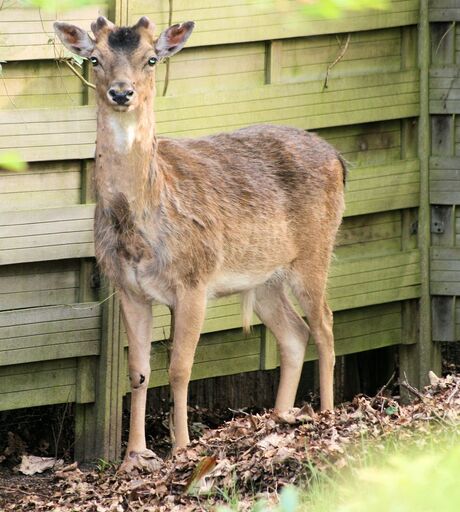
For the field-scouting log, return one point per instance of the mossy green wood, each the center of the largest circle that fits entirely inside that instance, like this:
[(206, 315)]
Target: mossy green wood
[(40, 334), (39, 84), (87, 442), (444, 10), (305, 105), (43, 383), (456, 306), (367, 52), (427, 352), (42, 185), (110, 381), (445, 180), (231, 22), (46, 234), (46, 84), (27, 33), (38, 284), (444, 163)]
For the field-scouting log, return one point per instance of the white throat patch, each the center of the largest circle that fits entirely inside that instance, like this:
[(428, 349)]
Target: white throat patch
[(124, 130)]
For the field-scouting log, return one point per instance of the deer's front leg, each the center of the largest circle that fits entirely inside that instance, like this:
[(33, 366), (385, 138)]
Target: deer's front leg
[(137, 317), (189, 313)]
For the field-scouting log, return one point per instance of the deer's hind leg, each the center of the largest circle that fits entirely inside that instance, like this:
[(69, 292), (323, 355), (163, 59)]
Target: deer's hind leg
[(309, 287), (276, 311)]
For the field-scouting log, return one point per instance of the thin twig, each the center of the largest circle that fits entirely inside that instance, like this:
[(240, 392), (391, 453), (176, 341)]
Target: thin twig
[(76, 73), (10, 99), (411, 389), (92, 305), (338, 59), (383, 388), (61, 427), (444, 36), (454, 392), (239, 411)]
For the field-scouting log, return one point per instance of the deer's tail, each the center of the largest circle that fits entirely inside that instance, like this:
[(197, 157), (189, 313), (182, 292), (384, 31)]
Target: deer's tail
[(344, 168), (247, 308)]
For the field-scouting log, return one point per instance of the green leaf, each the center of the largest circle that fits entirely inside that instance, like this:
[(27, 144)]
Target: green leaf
[(392, 409), (11, 161)]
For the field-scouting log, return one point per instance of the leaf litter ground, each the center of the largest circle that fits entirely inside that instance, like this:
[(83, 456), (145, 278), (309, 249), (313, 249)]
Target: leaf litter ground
[(252, 455)]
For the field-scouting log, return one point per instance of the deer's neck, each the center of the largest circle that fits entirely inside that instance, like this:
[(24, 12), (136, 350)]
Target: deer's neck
[(126, 155)]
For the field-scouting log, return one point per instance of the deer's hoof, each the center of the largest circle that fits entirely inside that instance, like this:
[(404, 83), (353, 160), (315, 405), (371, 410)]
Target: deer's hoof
[(145, 462)]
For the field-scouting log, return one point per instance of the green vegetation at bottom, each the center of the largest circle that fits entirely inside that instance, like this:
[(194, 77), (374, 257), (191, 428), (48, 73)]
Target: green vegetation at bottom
[(410, 473)]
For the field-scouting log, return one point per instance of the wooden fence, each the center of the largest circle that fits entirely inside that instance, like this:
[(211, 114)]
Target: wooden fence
[(242, 66)]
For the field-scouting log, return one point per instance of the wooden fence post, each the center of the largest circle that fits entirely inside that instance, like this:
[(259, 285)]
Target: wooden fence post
[(425, 355), (110, 381)]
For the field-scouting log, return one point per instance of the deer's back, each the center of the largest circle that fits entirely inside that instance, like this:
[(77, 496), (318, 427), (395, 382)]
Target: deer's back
[(256, 174), (260, 194)]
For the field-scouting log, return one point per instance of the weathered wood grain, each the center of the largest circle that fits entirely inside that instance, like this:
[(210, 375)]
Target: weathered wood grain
[(27, 33), (32, 385), (46, 134), (41, 334), (48, 234), (444, 10), (230, 21)]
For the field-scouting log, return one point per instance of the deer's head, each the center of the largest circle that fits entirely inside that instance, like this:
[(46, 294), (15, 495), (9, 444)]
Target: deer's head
[(124, 58)]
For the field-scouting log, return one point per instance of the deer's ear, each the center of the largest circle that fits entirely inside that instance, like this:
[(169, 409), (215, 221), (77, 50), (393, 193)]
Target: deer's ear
[(173, 39), (74, 39)]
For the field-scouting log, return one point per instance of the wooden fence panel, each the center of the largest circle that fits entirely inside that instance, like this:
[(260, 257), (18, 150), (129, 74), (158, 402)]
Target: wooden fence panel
[(27, 34), (233, 22), (445, 169), (242, 66)]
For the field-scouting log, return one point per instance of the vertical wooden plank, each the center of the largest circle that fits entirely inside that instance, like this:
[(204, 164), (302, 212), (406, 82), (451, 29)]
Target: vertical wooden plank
[(111, 380), (87, 182), (269, 355), (428, 352), (273, 62), (410, 318), (85, 418), (119, 12), (443, 39), (443, 43), (442, 135), (85, 432), (442, 225), (443, 310), (409, 220), (408, 47)]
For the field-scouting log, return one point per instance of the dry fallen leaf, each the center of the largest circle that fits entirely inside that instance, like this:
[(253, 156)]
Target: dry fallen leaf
[(196, 483), (256, 454), (30, 464)]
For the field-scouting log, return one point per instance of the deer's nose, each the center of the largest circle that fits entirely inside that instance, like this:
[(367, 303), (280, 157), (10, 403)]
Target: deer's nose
[(120, 97)]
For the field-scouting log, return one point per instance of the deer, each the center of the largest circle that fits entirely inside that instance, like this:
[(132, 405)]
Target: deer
[(179, 221)]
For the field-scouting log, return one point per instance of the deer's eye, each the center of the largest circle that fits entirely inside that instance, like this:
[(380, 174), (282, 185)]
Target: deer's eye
[(94, 61), (152, 61)]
